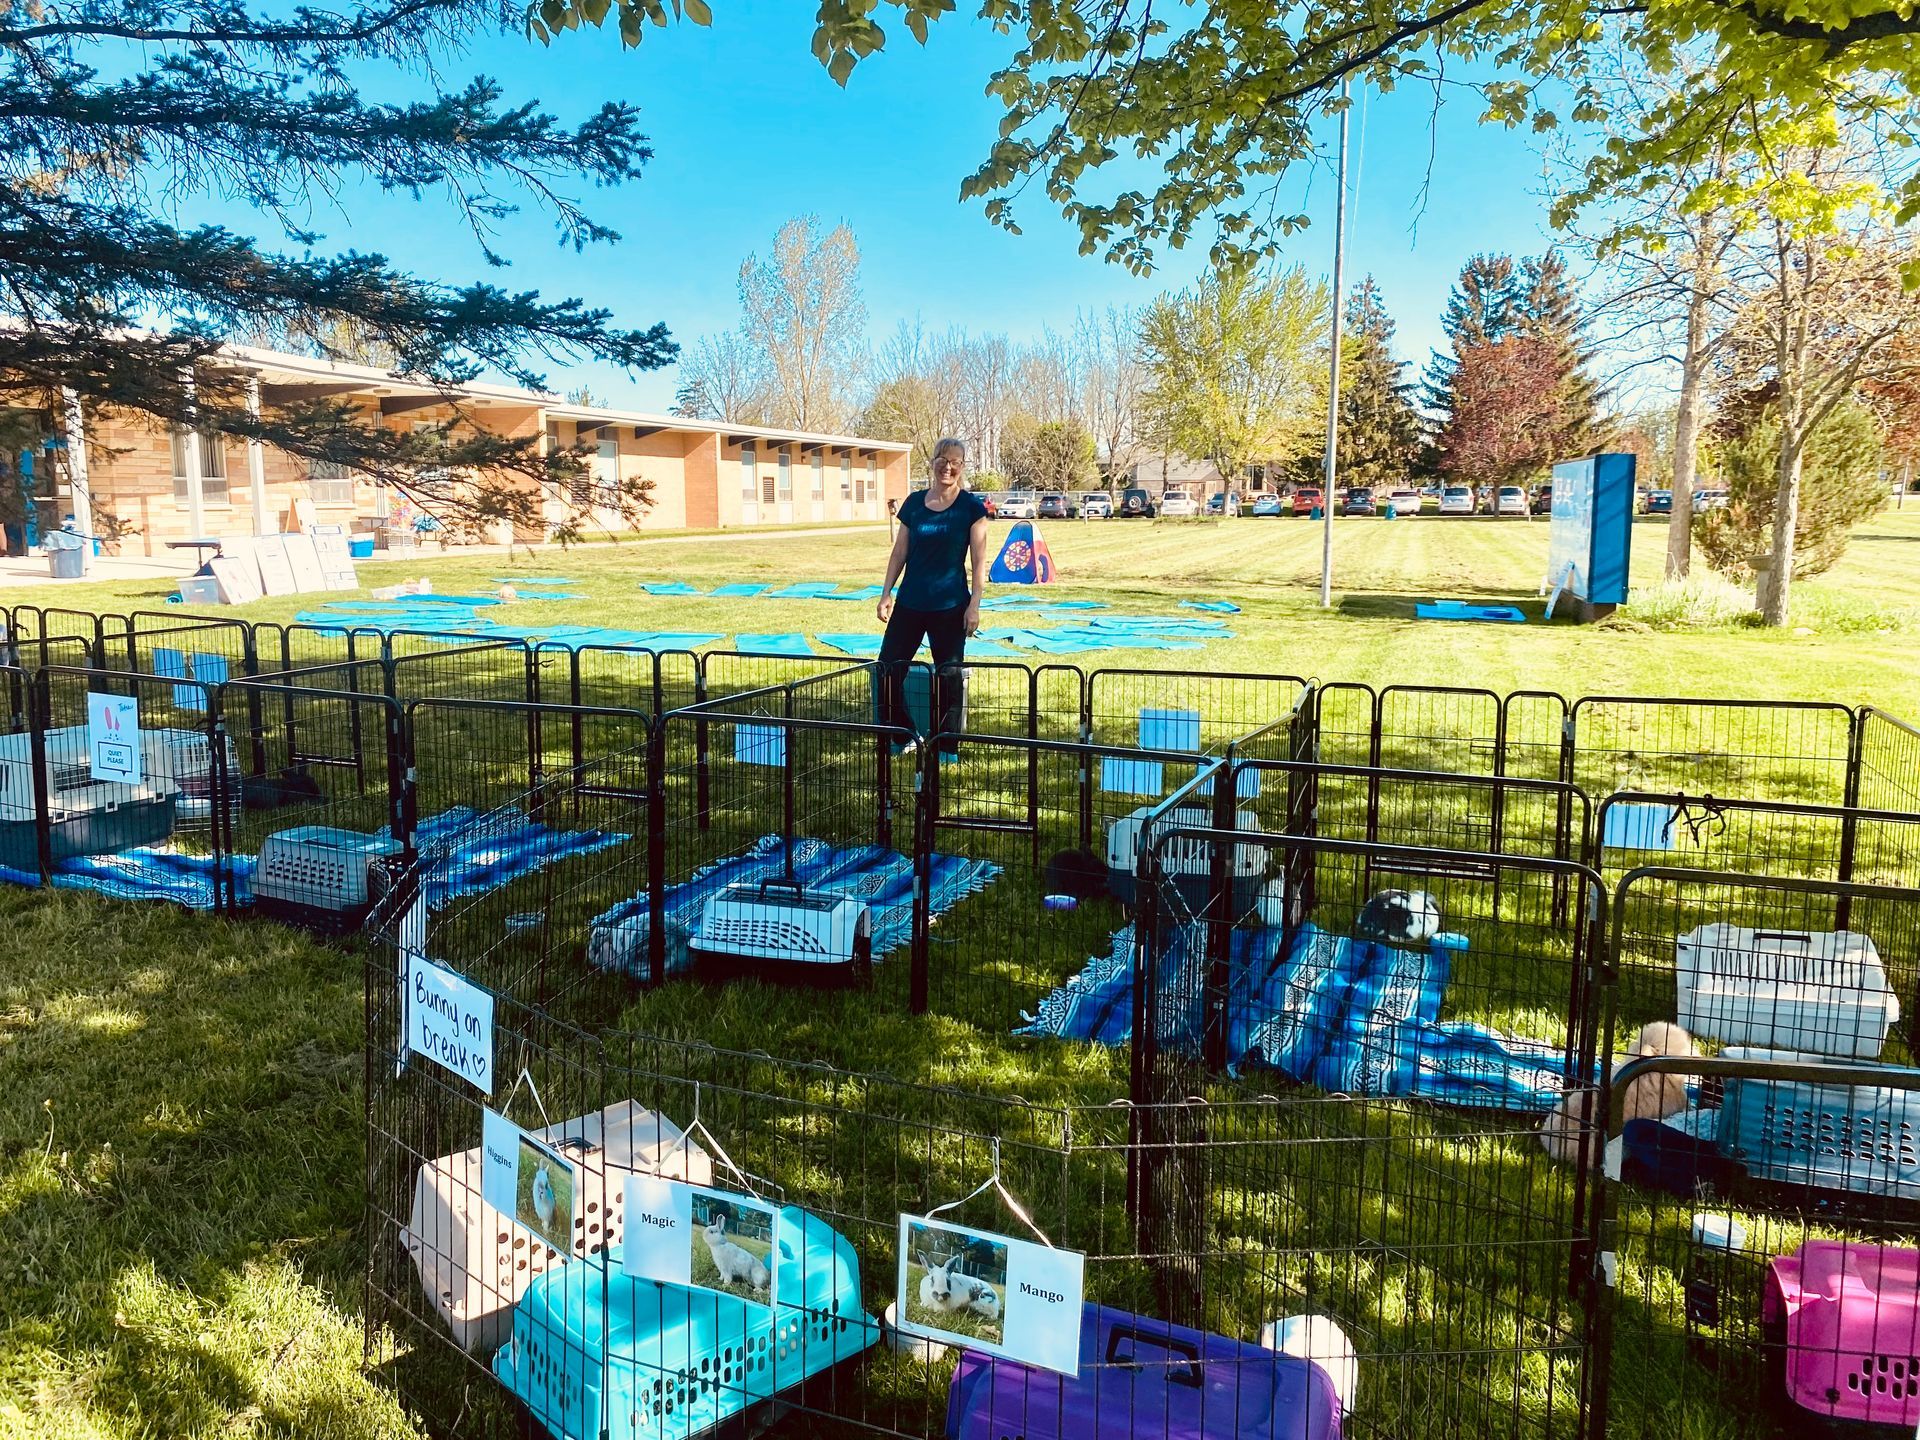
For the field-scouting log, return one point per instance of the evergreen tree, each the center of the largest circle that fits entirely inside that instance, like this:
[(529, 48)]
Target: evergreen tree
[(1547, 309), (121, 114), (1482, 309), (1379, 431)]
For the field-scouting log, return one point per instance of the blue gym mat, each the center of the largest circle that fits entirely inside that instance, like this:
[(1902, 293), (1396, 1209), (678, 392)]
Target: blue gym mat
[(1218, 607), (805, 590), (866, 592), (741, 591), (882, 878), (1461, 610), (669, 587), (788, 644), (863, 647)]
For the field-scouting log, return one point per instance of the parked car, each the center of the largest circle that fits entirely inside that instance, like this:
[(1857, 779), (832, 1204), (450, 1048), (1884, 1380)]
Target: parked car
[(1657, 502), (1265, 505), (1021, 505), (1054, 506), (1543, 500), (1175, 505), (1136, 502), (1306, 500), (1096, 505), (1405, 501), (1511, 500), (1226, 503), (1359, 501), (1710, 499), (1456, 500)]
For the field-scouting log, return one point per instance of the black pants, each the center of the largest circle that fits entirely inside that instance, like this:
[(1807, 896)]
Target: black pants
[(945, 632)]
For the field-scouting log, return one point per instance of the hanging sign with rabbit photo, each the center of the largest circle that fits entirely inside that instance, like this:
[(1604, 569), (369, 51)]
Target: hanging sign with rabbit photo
[(990, 1292), (711, 1239), (527, 1180)]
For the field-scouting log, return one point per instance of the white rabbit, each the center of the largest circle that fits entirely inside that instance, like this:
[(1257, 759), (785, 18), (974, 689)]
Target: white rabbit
[(543, 1198), (944, 1287), (737, 1264)]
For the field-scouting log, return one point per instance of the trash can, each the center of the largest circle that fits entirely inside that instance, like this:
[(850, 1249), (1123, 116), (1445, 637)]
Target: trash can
[(66, 555)]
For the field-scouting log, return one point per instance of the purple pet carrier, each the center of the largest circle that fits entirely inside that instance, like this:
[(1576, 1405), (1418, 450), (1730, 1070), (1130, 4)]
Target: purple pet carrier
[(1145, 1377), (1846, 1318)]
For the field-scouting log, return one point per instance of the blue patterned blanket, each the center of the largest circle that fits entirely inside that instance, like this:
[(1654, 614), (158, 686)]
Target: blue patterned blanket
[(881, 877), (1347, 1016)]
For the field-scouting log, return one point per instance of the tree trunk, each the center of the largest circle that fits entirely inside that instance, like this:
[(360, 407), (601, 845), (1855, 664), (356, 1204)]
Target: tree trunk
[(1686, 428), (1786, 519)]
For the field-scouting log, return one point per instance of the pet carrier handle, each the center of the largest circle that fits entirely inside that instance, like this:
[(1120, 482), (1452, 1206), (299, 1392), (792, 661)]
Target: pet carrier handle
[(1794, 937), (792, 888), (1188, 1375)]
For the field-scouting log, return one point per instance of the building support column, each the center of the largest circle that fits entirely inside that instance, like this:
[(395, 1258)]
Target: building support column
[(74, 421), (195, 462), (257, 464)]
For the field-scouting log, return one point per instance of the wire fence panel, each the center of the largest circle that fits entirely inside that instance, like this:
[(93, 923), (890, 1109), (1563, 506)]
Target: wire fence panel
[(1770, 961), (1535, 739), (136, 778), (1049, 833), (1887, 763), (37, 637), (1189, 711), (1753, 749), (1761, 1234), (1344, 724), (1437, 727), (529, 820), (443, 668)]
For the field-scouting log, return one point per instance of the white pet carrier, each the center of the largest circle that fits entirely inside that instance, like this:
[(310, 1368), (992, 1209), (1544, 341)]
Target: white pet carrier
[(320, 876), (1187, 861), (775, 928), (475, 1263), (1822, 991), (85, 816)]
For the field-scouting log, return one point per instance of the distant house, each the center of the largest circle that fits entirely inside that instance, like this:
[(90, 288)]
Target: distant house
[(1198, 478), (124, 473)]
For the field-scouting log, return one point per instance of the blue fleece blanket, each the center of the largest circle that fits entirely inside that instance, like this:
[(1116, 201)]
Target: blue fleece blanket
[(144, 874), (467, 852), (881, 877), (1347, 1016)]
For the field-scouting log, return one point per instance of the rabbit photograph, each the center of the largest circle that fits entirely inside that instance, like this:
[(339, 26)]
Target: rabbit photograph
[(543, 1195), (732, 1245), (955, 1282)]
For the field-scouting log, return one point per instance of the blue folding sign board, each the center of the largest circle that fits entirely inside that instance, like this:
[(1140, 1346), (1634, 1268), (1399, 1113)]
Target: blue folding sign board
[(1592, 532)]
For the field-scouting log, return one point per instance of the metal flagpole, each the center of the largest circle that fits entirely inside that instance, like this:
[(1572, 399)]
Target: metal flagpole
[(1333, 367)]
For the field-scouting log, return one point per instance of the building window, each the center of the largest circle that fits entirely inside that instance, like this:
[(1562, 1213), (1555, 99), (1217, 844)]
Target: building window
[(749, 489), (606, 475), (819, 477), (786, 477), (329, 483), (213, 467), (868, 491), (846, 477)]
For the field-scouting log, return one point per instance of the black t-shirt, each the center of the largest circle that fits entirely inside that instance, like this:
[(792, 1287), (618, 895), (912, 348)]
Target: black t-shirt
[(936, 576)]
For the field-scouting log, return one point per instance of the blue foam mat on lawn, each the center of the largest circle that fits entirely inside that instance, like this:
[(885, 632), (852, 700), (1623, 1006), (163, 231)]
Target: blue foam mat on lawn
[(1218, 607), (788, 644), (1461, 610), (740, 591), (805, 590), (881, 877), (669, 587)]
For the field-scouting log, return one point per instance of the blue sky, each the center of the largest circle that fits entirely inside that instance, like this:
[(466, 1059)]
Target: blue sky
[(748, 130)]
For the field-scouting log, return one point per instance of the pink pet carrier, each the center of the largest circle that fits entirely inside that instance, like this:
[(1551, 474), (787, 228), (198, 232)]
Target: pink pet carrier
[(1845, 1317)]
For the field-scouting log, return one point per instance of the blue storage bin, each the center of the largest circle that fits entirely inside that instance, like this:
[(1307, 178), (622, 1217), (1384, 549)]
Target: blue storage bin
[(596, 1353), (1862, 1138), (1145, 1377)]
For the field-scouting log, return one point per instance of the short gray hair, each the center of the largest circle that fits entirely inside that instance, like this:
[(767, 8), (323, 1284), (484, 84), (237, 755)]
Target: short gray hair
[(947, 443)]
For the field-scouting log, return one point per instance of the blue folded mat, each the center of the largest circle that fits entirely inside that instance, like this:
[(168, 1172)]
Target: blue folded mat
[(1219, 607), (669, 587), (1460, 610), (863, 647), (805, 590), (789, 644), (882, 878), (866, 592), (739, 591)]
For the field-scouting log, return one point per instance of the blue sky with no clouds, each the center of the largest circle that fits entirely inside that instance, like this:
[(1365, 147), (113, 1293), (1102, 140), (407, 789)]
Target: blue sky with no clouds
[(748, 130)]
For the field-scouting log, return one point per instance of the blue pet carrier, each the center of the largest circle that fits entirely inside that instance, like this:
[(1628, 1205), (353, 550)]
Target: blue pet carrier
[(1862, 1138), (595, 1353), (1140, 1376)]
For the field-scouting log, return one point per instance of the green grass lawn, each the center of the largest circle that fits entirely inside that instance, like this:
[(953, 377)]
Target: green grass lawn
[(180, 1098)]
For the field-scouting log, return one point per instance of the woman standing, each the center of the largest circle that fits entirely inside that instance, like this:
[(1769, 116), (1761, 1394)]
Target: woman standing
[(941, 546)]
